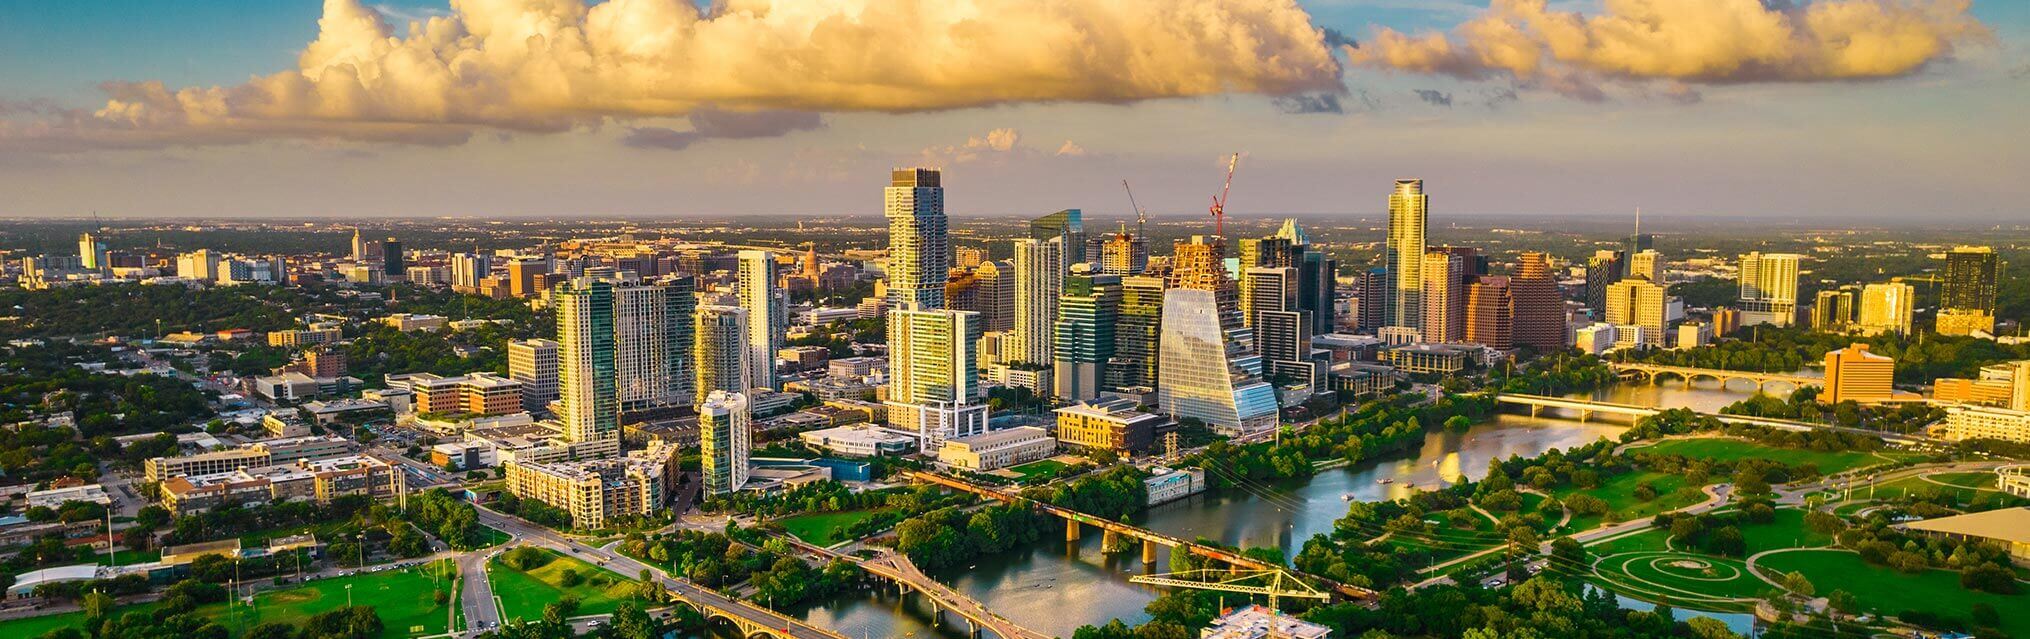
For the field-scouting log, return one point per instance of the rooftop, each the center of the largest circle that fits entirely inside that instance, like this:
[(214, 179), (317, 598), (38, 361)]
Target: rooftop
[(2008, 524)]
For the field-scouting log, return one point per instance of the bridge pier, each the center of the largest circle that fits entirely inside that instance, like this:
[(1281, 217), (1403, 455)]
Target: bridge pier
[(1071, 530), (1585, 415), (1148, 553), (1534, 409), (1110, 541)]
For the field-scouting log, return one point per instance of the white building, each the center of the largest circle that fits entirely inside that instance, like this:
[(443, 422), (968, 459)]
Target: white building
[(860, 441), (1200, 378), (998, 449), (724, 438), (767, 316)]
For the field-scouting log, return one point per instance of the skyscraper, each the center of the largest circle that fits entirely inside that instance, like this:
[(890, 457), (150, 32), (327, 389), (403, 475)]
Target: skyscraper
[(1138, 333), (92, 253), (996, 295), (1404, 256), (1886, 308), (1087, 315), (724, 439), (1124, 254), (1039, 281), (1646, 264), (768, 314), (1490, 313), (468, 268), (719, 350), (1205, 376), (1370, 292), (1602, 271), (1967, 301), (1539, 308), (1282, 330), (1067, 226), (1833, 311), (1769, 288), (1444, 296), (585, 367), (1638, 302), (652, 344), (391, 259), (533, 362), (919, 245), (934, 382), (1200, 264)]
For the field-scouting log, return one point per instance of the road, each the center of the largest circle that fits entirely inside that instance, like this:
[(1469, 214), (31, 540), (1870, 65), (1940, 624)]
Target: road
[(776, 623), (476, 593)]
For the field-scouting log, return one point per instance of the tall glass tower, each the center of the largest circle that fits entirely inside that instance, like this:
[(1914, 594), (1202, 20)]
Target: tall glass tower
[(585, 367), (1404, 258), (919, 245)]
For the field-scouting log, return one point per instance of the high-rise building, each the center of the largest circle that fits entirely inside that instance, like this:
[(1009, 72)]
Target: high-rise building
[(1602, 271), (392, 259), (92, 253), (1138, 333), (768, 314), (1646, 264), (467, 269), (1205, 375), (1124, 254), (719, 350), (585, 366), (1404, 256), (1769, 288), (1039, 281), (962, 290), (1886, 307), (1539, 309), (996, 295), (1966, 303), (934, 377), (1066, 226), (1087, 315), (1638, 302), (1282, 330), (1370, 293), (652, 343), (724, 439), (919, 244), (201, 265), (1444, 296), (1200, 264), (526, 277), (359, 246), (1491, 312), (1853, 373), (533, 362), (1833, 311)]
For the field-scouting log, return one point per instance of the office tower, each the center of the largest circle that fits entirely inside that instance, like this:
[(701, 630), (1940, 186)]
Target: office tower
[(359, 246), (919, 246), (1539, 309), (1124, 254), (1444, 297), (724, 439), (1087, 315), (768, 314), (1966, 303), (585, 366), (1039, 281), (92, 253), (962, 290), (1646, 264), (1490, 313), (533, 362), (525, 277), (1886, 308), (966, 257), (934, 380), (1638, 302), (1370, 292), (467, 269), (1318, 290), (1200, 264), (1602, 271), (1725, 320), (1769, 288), (1282, 330), (719, 350), (391, 258), (201, 265), (1832, 311), (1138, 333), (1854, 374), (1274, 288), (1205, 375), (1066, 226), (1404, 256), (652, 343), (996, 295)]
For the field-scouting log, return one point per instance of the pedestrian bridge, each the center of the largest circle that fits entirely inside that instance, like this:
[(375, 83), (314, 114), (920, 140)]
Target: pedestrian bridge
[(1588, 408), (1655, 373)]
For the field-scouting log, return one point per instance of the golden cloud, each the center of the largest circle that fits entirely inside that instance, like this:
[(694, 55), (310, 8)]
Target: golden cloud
[(549, 65), (1686, 41)]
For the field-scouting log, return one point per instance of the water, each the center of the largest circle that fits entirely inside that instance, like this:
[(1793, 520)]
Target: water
[(1056, 586)]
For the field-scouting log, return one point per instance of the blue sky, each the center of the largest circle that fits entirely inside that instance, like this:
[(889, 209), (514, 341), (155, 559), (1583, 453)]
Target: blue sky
[(1944, 139)]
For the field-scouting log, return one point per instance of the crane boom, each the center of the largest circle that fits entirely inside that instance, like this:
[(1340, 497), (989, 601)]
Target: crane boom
[(1219, 202), (1141, 217)]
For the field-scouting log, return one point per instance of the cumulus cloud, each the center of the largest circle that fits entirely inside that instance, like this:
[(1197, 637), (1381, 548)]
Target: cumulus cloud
[(710, 124), (1684, 41), (1071, 149), (552, 65), (998, 143), (1299, 104), (1435, 97)]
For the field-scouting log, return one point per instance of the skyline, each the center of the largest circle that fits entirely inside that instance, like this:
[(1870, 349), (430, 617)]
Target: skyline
[(1795, 133)]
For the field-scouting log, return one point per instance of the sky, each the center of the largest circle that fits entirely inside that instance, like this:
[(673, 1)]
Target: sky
[(1800, 109)]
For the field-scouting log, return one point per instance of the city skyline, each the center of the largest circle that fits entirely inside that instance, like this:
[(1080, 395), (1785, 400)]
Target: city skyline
[(1799, 132)]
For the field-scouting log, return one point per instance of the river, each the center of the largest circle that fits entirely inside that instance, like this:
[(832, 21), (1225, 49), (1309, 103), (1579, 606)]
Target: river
[(1056, 587)]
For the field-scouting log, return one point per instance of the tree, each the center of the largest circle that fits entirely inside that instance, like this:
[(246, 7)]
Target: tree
[(1797, 583), (271, 630), (631, 622), (558, 612), (97, 605), (1568, 556)]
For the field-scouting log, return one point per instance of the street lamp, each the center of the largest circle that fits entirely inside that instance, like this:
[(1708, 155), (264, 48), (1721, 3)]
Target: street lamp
[(348, 595)]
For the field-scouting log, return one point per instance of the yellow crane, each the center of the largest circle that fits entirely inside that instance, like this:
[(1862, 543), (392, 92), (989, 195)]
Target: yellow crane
[(1274, 584)]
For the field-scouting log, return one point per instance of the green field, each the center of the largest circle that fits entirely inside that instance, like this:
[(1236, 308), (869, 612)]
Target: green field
[(824, 529), (1984, 481), (402, 598), (1885, 591), (1956, 493), (1788, 531), (1721, 449), (1040, 470), (1699, 581), (523, 594), (1619, 493)]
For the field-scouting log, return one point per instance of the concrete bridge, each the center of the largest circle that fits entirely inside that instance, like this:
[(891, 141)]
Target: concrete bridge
[(1074, 523), (1588, 408), (897, 568), (1655, 372)]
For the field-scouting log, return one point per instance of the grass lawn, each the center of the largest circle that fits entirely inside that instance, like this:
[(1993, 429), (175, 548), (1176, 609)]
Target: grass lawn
[(403, 599), (1711, 582), (1918, 486), (1885, 591), (1967, 480), (489, 537), (1618, 491), (1040, 470), (1788, 531), (825, 529), (1721, 449), (523, 594)]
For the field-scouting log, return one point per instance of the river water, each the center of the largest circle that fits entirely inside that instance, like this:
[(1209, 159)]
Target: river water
[(1056, 586)]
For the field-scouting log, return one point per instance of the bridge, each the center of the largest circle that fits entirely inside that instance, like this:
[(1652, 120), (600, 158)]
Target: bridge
[(1654, 372), (1587, 408), (896, 567), (1075, 521)]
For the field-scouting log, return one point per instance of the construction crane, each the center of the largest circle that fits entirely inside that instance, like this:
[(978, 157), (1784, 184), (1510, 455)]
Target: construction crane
[(1219, 201), (1274, 584), (1141, 216)]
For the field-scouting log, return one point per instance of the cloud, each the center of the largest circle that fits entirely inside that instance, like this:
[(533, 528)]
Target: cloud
[(1321, 103), (710, 124), (1435, 97), (1071, 149), (1684, 41), (995, 144), (555, 65)]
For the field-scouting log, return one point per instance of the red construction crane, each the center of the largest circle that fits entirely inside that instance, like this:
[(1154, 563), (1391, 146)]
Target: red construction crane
[(1219, 201)]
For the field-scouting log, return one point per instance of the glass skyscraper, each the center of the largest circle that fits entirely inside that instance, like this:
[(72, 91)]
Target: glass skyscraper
[(1404, 257)]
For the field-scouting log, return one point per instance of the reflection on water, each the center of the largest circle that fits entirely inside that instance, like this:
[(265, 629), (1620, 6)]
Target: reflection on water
[(1056, 586)]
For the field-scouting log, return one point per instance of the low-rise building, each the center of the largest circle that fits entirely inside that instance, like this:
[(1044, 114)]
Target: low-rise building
[(1443, 359), (998, 449), (1260, 622), (56, 497), (2014, 480), (1113, 425), (406, 322), (2009, 527), (474, 394), (207, 463), (1983, 422), (317, 334), (1166, 485), (860, 441), (465, 455), (316, 480), (592, 491)]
